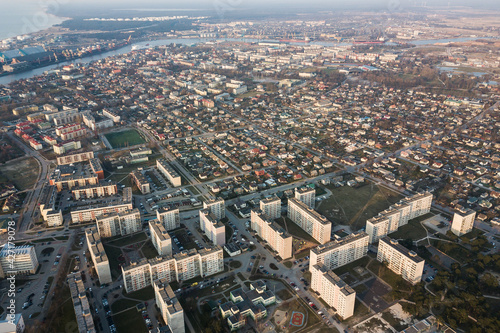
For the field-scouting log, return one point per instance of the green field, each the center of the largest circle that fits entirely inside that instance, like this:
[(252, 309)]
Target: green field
[(129, 321), (413, 230), (23, 173), (353, 206), (125, 138)]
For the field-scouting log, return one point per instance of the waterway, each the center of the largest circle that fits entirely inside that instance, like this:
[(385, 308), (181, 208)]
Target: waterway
[(5, 80)]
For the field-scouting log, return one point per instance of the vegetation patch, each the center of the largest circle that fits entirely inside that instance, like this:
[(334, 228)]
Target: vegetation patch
[(126, 138)]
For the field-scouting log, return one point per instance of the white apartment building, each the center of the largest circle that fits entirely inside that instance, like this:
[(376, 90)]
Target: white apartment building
[(400, 260), (216, 206), (141, 182), (92, 212), (333, 290), (103, 189), (309, 220), (81, 304), (166, 169), (463, 222), (54, 218), (340, 252), (277, 237), (169, 306), (307, 195), (169, 218), (160, 238), (98, 255), (391, 219), (183, 266), (122, 223), (214, 229), (18, 260), (271, 207)]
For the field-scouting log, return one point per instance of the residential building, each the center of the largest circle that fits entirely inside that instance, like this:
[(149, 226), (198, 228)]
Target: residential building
[(111, 115), (389, 220), (98, 255), (245, 304), (340, 252), (18, 260), (46, 204), (333, 290), (141, 182), (309, 220), (13, 323), (75, 158), (183, 266), (307, 195), (169, 306), (122, 223), (271, 232), (66, 177), (271, 207), (54, 218), (169, 217), (102, 189), (216, 206), (213, 228), (92, 212), (160, 238), (166, 169), (400, 260), (463, 222), (81, 304)]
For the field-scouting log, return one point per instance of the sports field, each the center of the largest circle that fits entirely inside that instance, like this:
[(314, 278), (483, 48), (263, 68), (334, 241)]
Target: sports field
[(125, 138)]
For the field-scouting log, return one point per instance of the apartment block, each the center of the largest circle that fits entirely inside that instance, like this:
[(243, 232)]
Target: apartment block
[(75, 158), (333, 290), (173, 177), (141, 182), (271, 207), (66, 177), (92, 212), (81, 304), (213, 228), (102, 189), (340, 252), (122, 223), (309, 220), (169, 306), (400, 260), (277, 237), (18, 260), (169, 217), (54, 218), (216, 206), (47, 200), (307, 195), (160, 238), (391, 219), (463, 222), (98, 255), (183, 266)]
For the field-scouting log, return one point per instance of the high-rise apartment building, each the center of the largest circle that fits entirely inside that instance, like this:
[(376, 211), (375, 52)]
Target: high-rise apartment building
[(160, 238), (340, 252), (400, 260), (309, 220), (307, 195), (214, 229), (18, 260), (271, 207), (122, 223), (169, 217), (333, 290), (98, 255), (216, 206), (463, 222), (169, 172), (169, 306), (271, 232)]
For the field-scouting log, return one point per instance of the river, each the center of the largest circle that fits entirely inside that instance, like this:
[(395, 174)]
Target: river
[(5, 80)]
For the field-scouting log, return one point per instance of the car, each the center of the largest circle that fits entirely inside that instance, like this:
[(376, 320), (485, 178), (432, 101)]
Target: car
[(249, 270)]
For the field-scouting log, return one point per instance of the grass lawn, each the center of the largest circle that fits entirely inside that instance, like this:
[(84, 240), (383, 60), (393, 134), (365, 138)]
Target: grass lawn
[(23, 173), (328, 330), (413, 230), (353, 206), (391, 278), (123, 304), (129, 321), (295, 230), (288, 264), (307, 275), (67, 315), (114, 264), (124, 241), (457, 252), (473, 234), (359, 311), (125, 138), (284, 294), (302, 254), (148, 250), (349, 268), (235, 264), (145, 294)]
